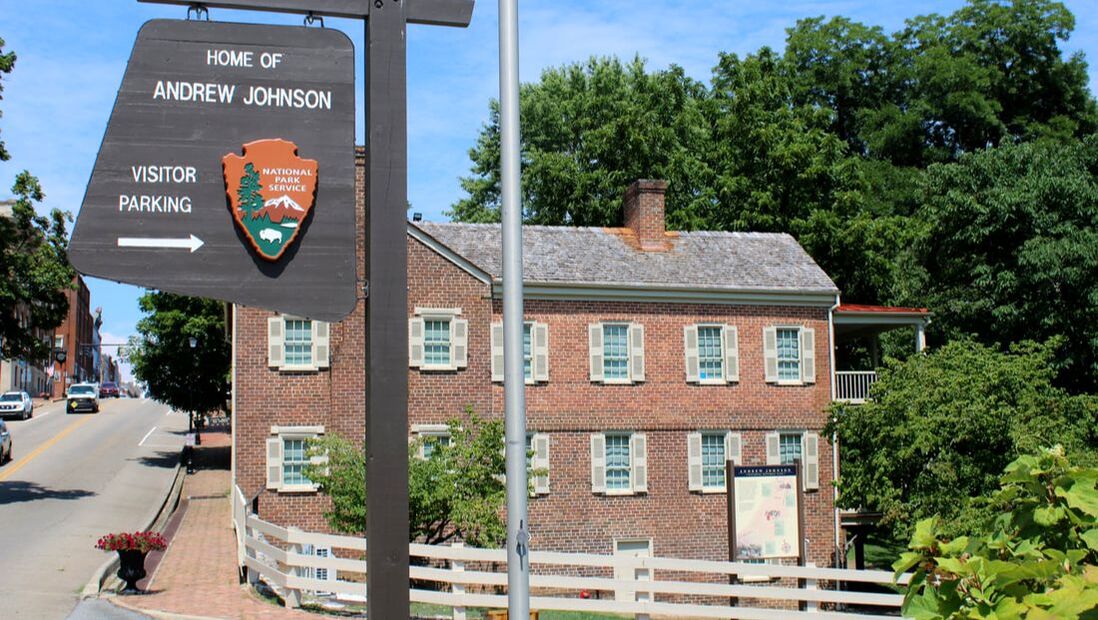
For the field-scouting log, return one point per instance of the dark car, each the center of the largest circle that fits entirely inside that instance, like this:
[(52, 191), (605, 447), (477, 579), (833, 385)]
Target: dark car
[(109, 389), (82, 397)]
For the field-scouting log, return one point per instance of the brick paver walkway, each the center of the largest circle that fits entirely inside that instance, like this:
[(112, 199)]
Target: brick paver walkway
[(198, 575)]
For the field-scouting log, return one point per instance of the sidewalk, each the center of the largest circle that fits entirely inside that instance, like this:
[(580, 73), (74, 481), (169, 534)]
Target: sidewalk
[(197, 576)]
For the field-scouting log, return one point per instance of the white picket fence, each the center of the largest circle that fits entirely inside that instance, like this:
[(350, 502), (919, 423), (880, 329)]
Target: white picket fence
[(274, 554)]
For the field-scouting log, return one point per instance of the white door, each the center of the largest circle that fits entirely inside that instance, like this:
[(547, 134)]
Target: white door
[(638, 548)]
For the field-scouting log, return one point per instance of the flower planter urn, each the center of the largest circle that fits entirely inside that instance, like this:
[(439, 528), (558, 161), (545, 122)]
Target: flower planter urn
[(131, 569)]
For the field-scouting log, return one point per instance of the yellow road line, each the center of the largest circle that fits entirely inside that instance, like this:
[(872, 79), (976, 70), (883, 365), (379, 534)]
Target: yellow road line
[(10, 470)]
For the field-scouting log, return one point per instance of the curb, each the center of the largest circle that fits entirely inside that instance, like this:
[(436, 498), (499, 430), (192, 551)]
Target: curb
[(156, 613), (155, 522)]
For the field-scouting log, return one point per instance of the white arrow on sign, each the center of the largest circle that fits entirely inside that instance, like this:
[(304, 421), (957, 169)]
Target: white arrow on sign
[(193, 243)]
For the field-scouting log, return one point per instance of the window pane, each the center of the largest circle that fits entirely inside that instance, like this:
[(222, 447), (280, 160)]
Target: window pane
[(527, 352), (710, 356), (713, 460), (789, 355), (432, 442), (617, 463), (789, 447), (615, 351), (298, 342), (436, 342), (293, 462)]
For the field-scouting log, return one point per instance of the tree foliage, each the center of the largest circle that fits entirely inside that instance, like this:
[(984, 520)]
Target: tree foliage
[(1035, 559), (34, 271), (161, 356), (457, 491), (1010, 249), (941, 427)]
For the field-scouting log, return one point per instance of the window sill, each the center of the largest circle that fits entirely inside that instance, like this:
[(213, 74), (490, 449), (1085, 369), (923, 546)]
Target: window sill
[(712, 491), (616, 382), (788, 383), (297, 368), (623, 493), (434, 368), (299, 489)]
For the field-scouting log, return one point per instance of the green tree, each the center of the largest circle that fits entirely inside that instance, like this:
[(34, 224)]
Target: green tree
[(1035, 559), (1010, 250), (34, 270), (457, 491), (941, 427), (188, 379), (251, 200)]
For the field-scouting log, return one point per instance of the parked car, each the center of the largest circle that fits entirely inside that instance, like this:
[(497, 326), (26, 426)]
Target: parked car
[(5, 443), (16, 404), (109, 389), (82, 397)]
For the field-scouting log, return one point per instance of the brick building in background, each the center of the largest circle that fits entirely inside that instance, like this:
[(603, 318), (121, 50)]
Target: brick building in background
[(76, 337), (651, 358)]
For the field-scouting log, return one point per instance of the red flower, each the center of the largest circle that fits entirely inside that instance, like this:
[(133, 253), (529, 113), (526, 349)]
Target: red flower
[(135, 541)]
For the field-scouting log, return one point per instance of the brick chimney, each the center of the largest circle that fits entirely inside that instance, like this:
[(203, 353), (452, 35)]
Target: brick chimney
[(644, 214)]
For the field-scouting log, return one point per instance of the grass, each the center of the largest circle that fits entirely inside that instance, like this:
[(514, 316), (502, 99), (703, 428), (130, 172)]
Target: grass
[(879, 555), (478, 613)]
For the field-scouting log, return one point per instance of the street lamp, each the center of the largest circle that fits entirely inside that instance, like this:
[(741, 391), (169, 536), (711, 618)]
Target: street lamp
[(194, 426), (59, 355)]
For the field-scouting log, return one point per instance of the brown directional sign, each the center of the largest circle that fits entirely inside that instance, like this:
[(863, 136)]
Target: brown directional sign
[(227, 169)]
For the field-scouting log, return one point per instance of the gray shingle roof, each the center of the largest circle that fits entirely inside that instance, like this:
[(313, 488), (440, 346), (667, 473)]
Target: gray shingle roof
[(592, 256)]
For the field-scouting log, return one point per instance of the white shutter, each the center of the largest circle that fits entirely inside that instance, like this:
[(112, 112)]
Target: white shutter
[(638, 449), (321, 347), (598, 463), (731, 353), (594, 346), (541, 462), (733, 448), (275, 352), (811, 461), (274, 463), (808, 355), (770, 353), (690, 347), (694, 460), (459, 351), (773, 449), (539, 335), (415, 342), (636, 352), (497, 352)]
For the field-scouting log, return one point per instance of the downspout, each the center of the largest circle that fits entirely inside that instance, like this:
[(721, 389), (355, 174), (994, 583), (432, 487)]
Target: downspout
[(834, 435)]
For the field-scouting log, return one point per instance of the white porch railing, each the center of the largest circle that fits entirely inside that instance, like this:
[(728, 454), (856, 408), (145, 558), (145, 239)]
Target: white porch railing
[(852, 386), (467, 577)]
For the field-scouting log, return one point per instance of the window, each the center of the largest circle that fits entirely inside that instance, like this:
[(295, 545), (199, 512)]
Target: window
[(297, 344), (789, 448), (713, 460), (785, 447), (438, 339), (436, 342), (288, 455), (535, 352), (537, 460), (432, 437), (790, 355), (615, 356), (707, 453), (619, 463), (712, 353), (710, 356), (616, 352)]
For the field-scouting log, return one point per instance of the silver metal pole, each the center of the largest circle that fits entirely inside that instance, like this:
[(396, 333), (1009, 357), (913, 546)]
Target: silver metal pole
[(514, 384)]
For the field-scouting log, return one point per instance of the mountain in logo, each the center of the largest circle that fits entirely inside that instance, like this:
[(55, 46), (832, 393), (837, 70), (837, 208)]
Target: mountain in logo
[(271, 191), (279, 208)]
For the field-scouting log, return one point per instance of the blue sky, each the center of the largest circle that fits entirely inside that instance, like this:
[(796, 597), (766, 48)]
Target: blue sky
[(71, 60)]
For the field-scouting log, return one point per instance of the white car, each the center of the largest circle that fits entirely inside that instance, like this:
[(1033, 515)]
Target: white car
[(82, 397), (16, 404)]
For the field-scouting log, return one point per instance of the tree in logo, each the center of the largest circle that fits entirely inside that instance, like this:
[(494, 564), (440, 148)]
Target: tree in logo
[(251, 200)]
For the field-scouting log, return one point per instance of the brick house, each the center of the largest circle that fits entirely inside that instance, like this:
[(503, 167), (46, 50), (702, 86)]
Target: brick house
[(652, 357)]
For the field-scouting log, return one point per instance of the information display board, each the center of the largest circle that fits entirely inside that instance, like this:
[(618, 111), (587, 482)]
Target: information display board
[(228, 169), (767, 514)]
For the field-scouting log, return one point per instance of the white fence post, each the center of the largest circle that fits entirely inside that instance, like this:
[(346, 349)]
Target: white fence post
[(293, 595), (811, 584), (458, 566)]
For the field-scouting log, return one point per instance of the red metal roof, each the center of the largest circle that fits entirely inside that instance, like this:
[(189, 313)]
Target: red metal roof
[(865, 309)]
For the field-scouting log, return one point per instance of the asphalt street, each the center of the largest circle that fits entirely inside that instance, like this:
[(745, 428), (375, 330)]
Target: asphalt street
[(75, 477)]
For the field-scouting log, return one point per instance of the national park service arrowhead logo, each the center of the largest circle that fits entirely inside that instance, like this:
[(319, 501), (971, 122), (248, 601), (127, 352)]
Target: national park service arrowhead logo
[(271, 191)]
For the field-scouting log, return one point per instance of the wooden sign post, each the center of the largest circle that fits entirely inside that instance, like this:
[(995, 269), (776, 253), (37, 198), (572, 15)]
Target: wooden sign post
[(386, 264)]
